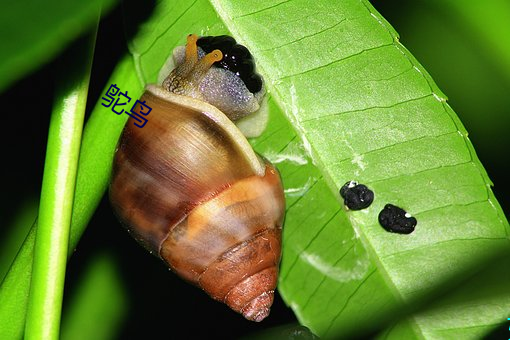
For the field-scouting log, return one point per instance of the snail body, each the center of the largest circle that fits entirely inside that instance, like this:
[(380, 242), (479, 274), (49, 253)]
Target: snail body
[(189, 187)]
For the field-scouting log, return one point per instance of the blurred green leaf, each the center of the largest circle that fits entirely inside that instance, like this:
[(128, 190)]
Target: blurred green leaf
[(17, 230), (98, 145), (475, 16), (98, 305), (286, 332), (32, 32)]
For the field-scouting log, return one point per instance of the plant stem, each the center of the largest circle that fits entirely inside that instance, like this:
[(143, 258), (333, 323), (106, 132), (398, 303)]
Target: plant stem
[(57, 195), (99, 140)]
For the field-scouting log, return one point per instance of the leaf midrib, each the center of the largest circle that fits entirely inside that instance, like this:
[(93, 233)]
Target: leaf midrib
[(317, 160)]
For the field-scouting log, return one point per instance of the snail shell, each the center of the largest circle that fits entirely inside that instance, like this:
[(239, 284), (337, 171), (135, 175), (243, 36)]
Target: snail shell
[(189, 187)]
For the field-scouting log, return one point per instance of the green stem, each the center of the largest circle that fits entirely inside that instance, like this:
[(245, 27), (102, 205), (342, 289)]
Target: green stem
[(57, 195), (99, 139)]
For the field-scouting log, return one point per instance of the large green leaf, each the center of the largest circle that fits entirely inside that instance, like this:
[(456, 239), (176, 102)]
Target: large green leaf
[(361, 108), (31, 32), (347, 101)]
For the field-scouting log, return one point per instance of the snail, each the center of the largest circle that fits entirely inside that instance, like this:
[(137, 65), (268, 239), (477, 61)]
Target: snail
[(189, 187)]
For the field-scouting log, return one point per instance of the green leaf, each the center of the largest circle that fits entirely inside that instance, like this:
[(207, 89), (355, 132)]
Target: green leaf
[(98, 305), (57, 192), (98, 145), (361, 108), (474, 16), (17, 231), (347, 101), (450, 38), (33, 32), (285, 332)]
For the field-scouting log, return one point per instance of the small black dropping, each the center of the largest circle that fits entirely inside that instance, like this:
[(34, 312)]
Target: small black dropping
[(356, 196), (236, 58), (396, 220)]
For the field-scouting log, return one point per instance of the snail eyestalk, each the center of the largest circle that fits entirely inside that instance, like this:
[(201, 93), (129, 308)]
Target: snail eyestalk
[(191, 49), (186, 78), (203, 65)]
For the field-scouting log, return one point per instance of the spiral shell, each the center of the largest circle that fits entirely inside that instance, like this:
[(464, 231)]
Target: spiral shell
[(190, 189)]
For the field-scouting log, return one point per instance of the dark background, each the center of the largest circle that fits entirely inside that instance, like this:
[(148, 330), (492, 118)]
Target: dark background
[(159, 302)]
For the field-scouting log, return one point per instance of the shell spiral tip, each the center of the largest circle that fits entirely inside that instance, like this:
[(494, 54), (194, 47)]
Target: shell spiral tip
[(258, 309)]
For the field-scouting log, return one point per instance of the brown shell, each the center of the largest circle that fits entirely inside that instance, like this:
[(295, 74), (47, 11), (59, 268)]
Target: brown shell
[(190, 190)]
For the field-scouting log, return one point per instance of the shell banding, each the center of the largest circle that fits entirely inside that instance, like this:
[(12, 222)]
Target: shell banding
[(189, 187)]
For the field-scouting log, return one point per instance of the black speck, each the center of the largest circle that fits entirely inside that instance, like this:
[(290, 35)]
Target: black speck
[(356, 196), (396, 220)]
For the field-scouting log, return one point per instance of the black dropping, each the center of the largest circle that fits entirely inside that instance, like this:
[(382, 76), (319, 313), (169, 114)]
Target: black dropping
[(396, 220), (236, 58), (356, 196)]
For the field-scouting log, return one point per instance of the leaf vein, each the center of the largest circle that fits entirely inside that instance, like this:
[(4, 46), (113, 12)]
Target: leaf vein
[(262, 10), (398, 144), (368, 108), (347, 301), (450, 205), (418, 172), (435, 243), (309, 242), (310, 296), (335, 61), (304, 37)]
